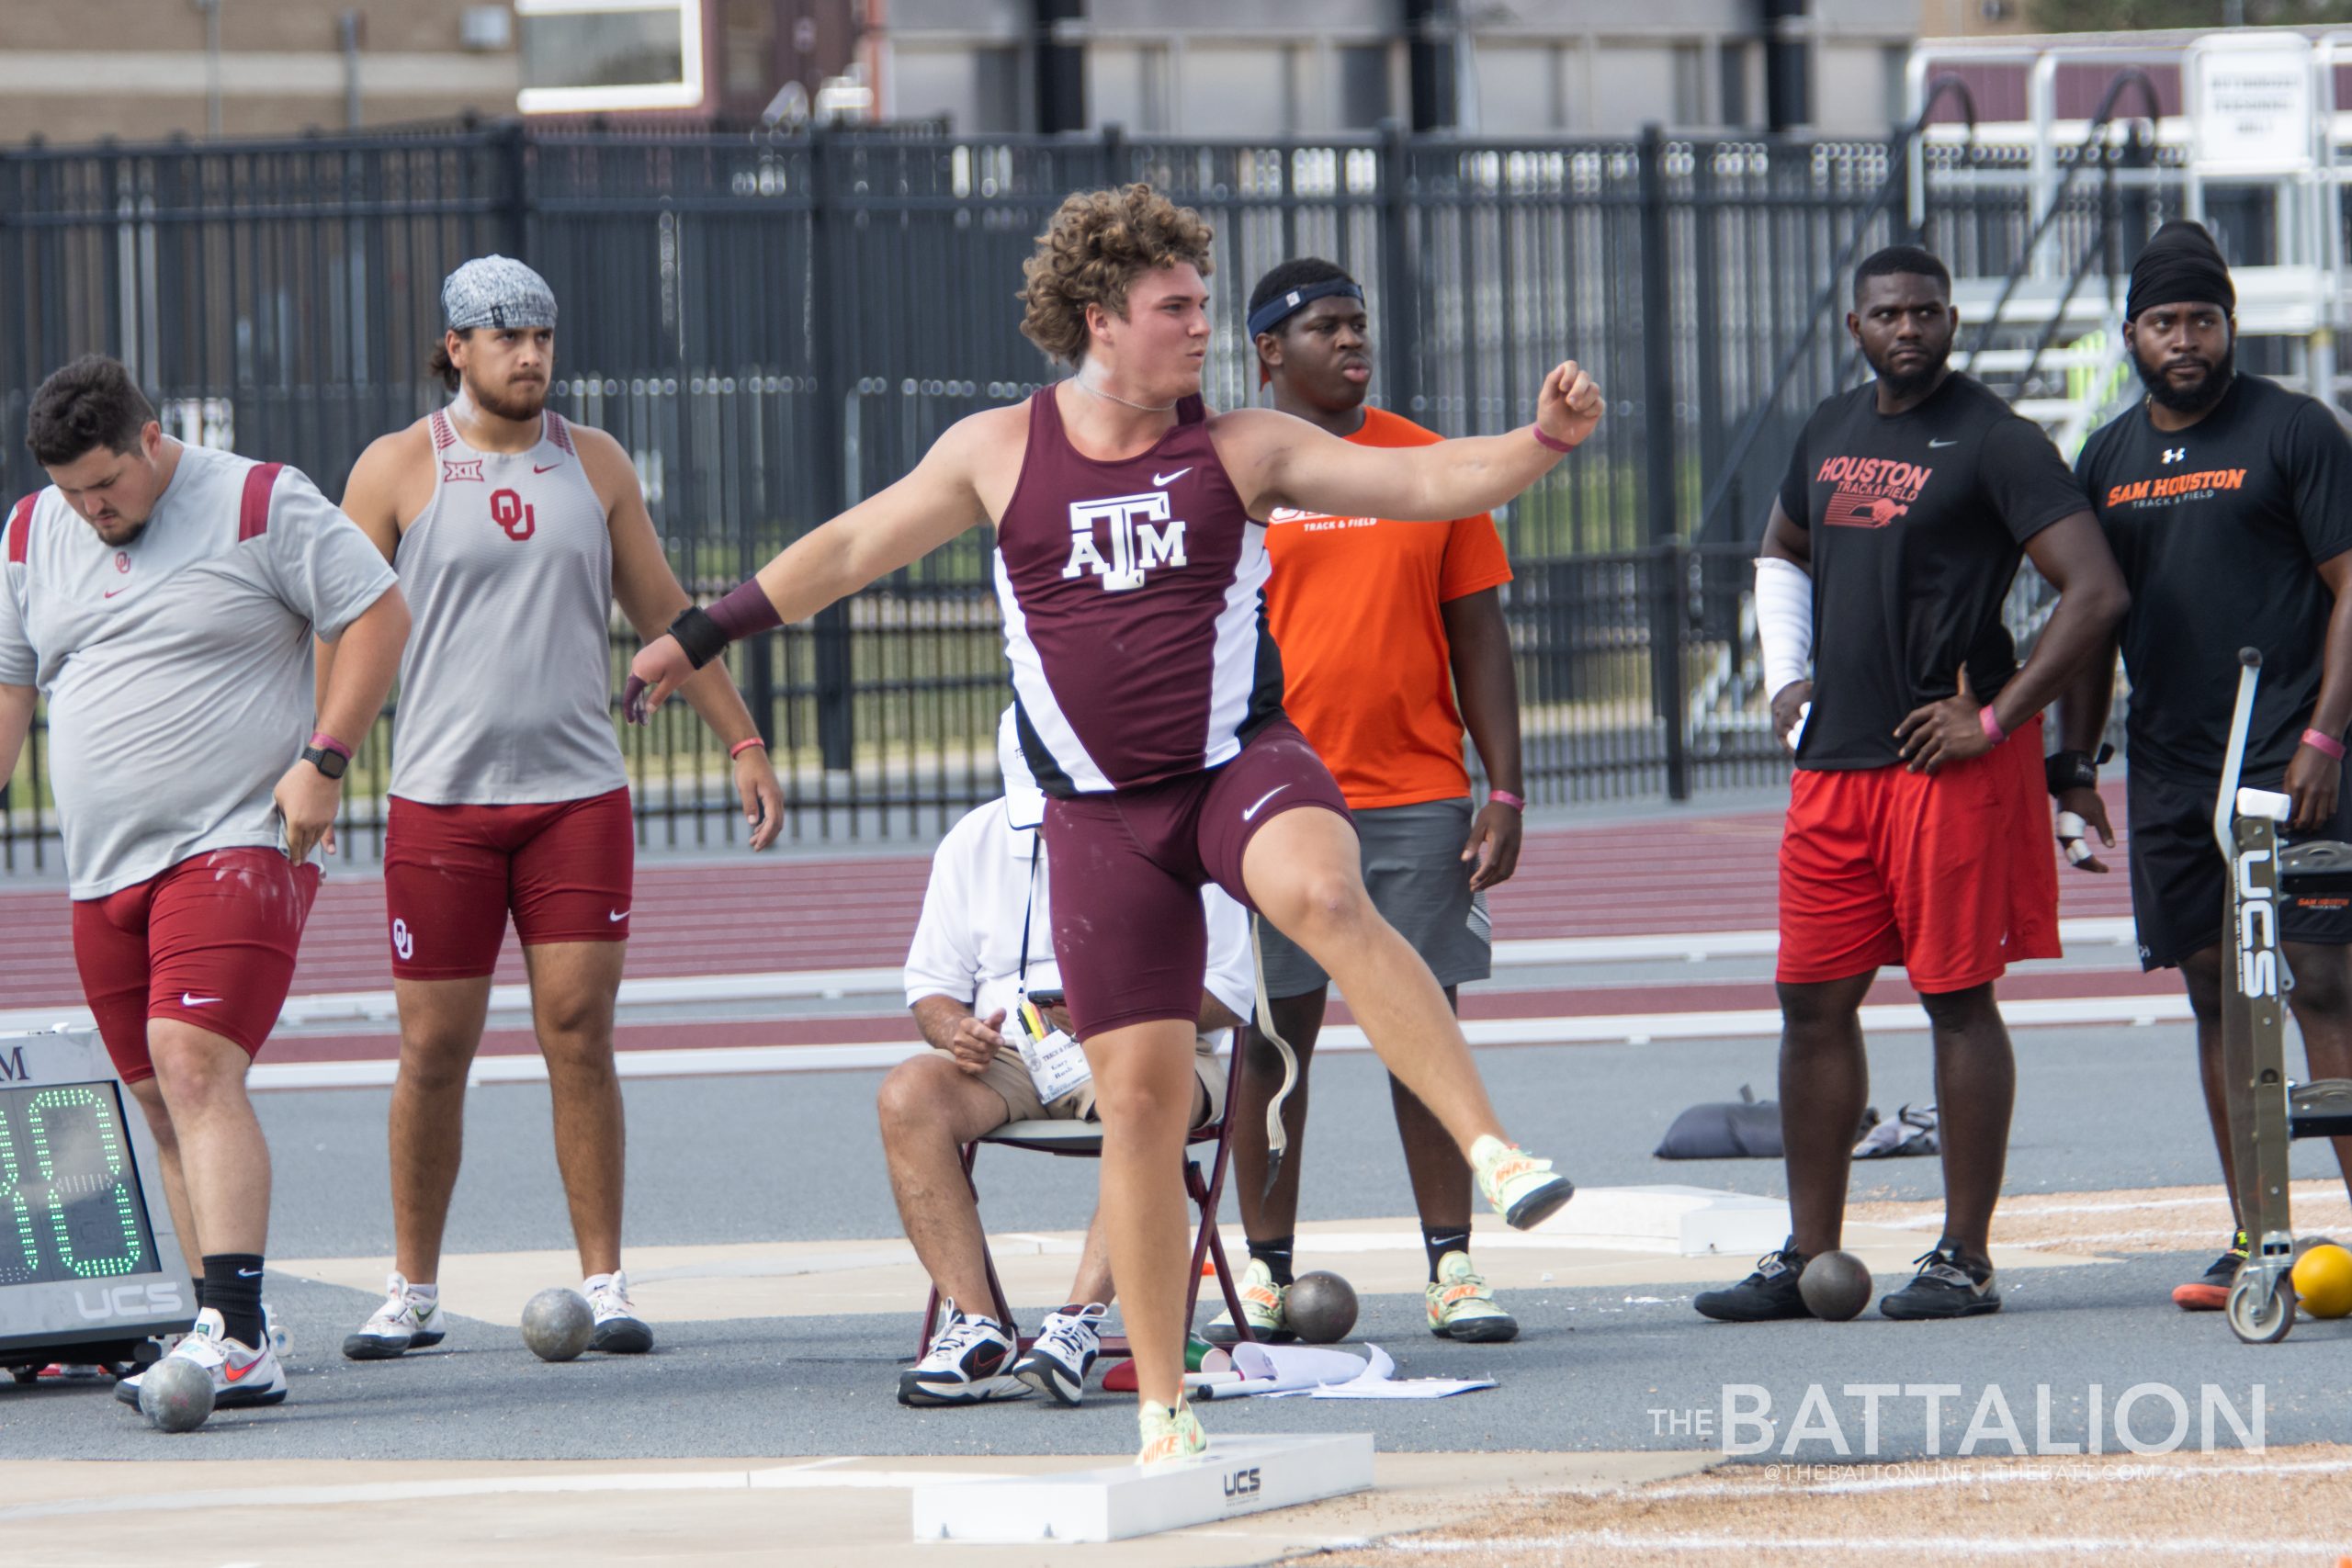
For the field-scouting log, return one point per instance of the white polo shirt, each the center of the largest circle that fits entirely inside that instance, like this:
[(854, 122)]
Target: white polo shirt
[(968, 946)]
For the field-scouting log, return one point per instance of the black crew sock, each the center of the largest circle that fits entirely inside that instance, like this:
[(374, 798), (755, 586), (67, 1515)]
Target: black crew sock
[(1274, 1253), (233, 1289), (1438, 1240), (196, 1295)]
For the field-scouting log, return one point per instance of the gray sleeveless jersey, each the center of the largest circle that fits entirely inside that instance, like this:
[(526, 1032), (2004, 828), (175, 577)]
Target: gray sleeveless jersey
[(506, 687)]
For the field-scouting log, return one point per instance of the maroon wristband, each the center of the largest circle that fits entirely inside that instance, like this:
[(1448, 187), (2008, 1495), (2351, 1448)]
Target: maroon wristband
[(2320, 740), (1551, 441), (746, 611)]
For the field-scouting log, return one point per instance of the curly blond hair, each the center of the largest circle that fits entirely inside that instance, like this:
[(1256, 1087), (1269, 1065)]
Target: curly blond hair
[(1096, 246)]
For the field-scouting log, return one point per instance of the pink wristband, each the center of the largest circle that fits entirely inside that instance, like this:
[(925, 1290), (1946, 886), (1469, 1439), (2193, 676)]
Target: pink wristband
[(2319, 741), (743, 746), (1993, 730), (1504, 797), (326, 742), (1555, 445)]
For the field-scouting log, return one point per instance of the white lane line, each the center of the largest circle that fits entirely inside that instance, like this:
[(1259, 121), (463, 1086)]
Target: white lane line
[(834, 985), (817, 1476), (2234, 1549), (2004, 1474), (1640, 1028)]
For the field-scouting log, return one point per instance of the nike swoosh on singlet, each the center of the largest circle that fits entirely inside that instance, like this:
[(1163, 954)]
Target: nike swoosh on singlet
[(1261, 800), (1171, 479), (549, 470), (112, 591)]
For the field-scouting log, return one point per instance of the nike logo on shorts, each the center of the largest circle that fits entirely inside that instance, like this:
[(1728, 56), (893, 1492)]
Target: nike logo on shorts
[(1250, 814), (1170, 479), (1951, 442), (188, 999), (617, 915)]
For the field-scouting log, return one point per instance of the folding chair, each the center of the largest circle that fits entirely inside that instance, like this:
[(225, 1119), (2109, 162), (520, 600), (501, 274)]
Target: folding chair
[(1083, 1140)]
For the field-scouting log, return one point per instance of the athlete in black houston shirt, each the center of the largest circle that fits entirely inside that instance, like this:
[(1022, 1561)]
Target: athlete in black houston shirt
[(1917, 832), (2228, 499)]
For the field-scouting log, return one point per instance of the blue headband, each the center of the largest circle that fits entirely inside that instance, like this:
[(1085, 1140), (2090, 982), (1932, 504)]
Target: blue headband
[(1282, 306)]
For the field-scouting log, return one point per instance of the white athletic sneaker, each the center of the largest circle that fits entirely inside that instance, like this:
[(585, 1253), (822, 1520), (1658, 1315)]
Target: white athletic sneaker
[(619, 1331), (242, 1376), (405, 1322), (1067, 1344), (966, 1364)]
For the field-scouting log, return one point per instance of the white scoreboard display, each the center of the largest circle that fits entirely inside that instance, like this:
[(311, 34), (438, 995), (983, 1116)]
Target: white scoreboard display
[(88, 1262)]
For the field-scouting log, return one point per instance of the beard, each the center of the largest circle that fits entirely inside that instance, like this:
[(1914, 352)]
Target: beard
[(515, 403), (2197, 397), (1913, 383)]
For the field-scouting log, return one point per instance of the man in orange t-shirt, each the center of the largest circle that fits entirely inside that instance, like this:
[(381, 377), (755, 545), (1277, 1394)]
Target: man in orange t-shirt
[(1392, 638)]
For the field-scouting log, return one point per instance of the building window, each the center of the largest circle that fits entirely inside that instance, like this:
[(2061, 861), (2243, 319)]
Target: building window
[(1731, 57), (1690, 84), (1364, 98), (586, 56), (750, 49)]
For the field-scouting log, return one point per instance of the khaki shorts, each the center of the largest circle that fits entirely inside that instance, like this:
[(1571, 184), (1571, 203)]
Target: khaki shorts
[(1007, 1075)]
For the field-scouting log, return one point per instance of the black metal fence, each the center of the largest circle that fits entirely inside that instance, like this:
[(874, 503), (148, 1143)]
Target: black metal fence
[(777, 326)]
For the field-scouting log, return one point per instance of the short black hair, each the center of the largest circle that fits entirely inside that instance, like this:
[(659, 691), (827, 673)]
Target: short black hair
[(1907, 260), (439, 363), (1295, 274), (91, 402)]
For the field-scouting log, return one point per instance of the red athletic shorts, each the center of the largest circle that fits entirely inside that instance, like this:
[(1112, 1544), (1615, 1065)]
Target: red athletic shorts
[(1126, 870), (451, 872), (1953, 875), (210, 942)]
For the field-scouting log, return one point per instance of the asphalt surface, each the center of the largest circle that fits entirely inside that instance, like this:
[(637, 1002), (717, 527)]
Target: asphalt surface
[(795, 1157)]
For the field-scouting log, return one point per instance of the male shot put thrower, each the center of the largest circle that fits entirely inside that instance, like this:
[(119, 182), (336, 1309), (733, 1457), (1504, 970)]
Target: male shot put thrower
[(2266, 1110)]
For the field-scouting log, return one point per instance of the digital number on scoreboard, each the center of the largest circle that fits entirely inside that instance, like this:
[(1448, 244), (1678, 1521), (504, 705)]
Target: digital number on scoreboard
[(70, 1207), (88, 1253)]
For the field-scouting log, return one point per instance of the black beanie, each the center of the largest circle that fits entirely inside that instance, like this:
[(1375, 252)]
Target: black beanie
[(2180, 265)]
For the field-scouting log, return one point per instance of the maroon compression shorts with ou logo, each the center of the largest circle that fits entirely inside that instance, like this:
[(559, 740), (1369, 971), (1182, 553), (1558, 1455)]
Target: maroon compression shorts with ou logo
[(566, 870)]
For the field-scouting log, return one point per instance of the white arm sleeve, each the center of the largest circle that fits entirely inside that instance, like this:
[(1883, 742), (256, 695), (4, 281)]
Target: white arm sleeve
[(1783, 622)]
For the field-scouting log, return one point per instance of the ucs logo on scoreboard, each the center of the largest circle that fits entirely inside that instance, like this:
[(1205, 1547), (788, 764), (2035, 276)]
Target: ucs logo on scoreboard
[(164, 1299)]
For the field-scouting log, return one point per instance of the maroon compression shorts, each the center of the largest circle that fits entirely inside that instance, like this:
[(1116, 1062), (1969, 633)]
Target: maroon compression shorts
[(1126, 870), (566, 869)]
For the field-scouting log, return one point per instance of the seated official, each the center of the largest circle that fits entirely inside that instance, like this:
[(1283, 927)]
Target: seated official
[(982, 948)]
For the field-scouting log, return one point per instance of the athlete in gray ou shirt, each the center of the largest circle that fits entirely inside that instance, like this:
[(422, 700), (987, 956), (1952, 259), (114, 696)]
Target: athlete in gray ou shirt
[(165, 598)]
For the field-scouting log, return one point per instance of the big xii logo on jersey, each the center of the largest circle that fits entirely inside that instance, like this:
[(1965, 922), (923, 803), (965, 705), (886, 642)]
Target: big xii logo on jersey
[(1140, 536), (1871, 491)]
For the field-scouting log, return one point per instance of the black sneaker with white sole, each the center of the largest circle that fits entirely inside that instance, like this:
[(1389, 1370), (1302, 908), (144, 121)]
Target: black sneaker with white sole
[(1067, 1342), (1946, 1285), (1769, 1294), (968, 1363)]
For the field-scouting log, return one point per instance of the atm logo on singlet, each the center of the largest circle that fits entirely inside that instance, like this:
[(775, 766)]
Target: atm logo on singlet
[(1871, 491), (2176, 487), (1122, 538)]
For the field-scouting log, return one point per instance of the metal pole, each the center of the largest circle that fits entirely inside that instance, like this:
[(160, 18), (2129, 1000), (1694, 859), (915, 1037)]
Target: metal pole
[(211, 13), (348, 24), (1657, 442), (1400, 355)]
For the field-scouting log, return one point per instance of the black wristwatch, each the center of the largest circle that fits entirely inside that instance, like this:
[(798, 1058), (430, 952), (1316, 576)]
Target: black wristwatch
[(330, 763), (2063, 770)]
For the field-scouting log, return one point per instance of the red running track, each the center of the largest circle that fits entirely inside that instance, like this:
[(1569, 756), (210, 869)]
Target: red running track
[(1653, 875)]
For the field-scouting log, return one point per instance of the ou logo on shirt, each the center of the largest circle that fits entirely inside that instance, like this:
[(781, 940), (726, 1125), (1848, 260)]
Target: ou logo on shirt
[(404, 941), (509, 512)]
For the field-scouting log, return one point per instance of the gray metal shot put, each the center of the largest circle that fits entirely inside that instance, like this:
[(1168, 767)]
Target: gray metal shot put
[(175, 1394), (1319, 1308), (557, 1324), (1836, 1286)]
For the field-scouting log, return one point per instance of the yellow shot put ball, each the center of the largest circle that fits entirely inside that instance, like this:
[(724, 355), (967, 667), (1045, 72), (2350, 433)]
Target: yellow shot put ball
[(2324, 1281)]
